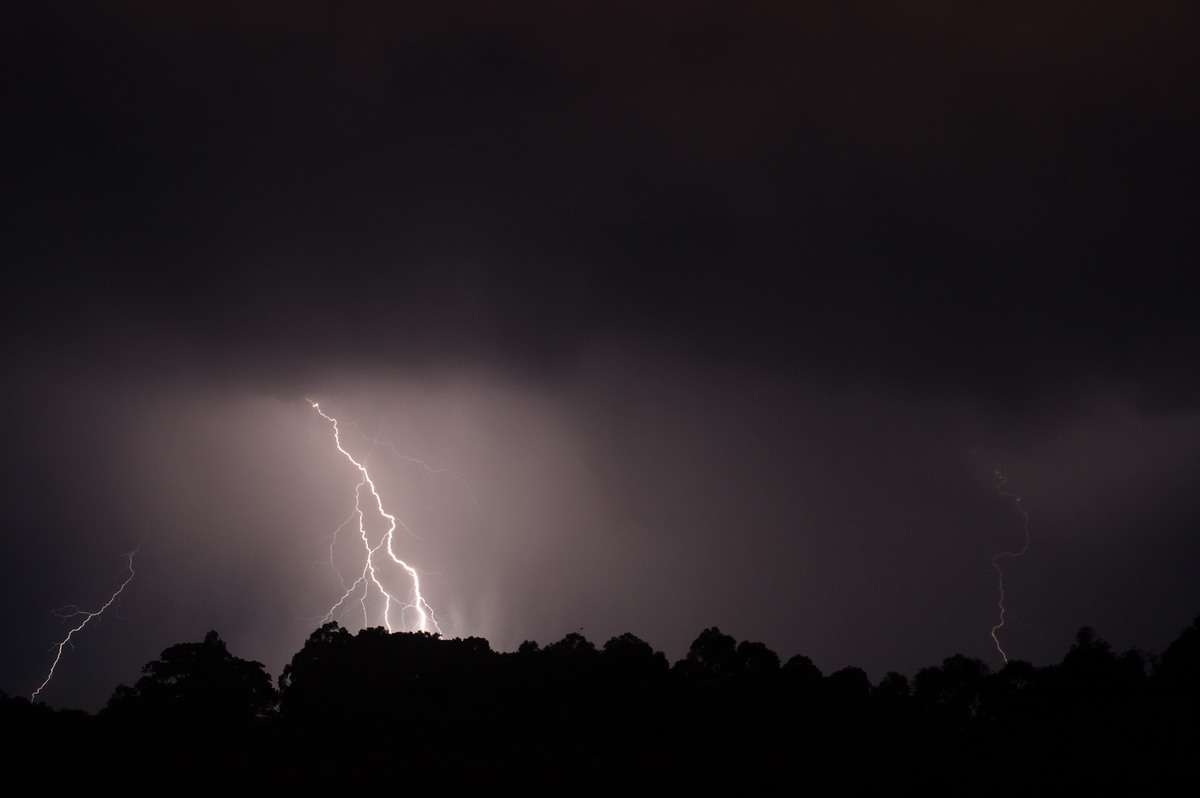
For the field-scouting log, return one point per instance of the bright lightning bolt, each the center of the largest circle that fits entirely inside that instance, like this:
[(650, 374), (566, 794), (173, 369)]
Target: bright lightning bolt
[(369, 579), (88, 617), (1001, 482)]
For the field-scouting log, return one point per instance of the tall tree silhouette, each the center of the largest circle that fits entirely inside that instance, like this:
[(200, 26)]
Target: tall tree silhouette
[(197, 687)]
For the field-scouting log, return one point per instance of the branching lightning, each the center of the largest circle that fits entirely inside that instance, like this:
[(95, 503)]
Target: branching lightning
[(415, 612), (429, 470), (72, 611), (1001, 488)]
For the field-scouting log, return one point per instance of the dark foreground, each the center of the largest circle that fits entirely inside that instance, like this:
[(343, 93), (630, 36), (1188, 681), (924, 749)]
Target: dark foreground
[(413, 714)]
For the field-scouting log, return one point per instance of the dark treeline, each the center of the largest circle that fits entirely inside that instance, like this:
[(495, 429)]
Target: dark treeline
[(413, 713)]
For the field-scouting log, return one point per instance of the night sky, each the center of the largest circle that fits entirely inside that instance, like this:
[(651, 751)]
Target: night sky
[(726, 314)]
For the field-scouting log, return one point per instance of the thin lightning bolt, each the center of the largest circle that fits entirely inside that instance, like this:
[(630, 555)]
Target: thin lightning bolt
[(72, 611), (369, 578), (430, 471), (1001, 482)]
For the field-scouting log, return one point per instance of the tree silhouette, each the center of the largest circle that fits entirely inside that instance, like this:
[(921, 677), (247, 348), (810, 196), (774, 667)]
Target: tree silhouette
[(711, 659), (801, 675), (196, 686), (631, 664), (422, 704), (954, 691), (759, 664)]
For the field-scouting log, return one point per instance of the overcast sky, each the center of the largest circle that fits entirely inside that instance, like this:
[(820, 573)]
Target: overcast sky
[(722, 314)]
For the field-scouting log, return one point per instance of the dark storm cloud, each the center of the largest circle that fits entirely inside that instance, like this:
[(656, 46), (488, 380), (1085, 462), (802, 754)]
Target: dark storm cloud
[(938, 195), (710, 301)]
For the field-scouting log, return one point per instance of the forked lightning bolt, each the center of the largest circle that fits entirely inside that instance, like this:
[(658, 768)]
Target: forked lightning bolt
[(1001, 482), (422, 614), (88, 617)]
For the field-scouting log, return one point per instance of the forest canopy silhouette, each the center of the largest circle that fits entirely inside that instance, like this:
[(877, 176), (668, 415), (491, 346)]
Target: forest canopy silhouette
[(411, 708)]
